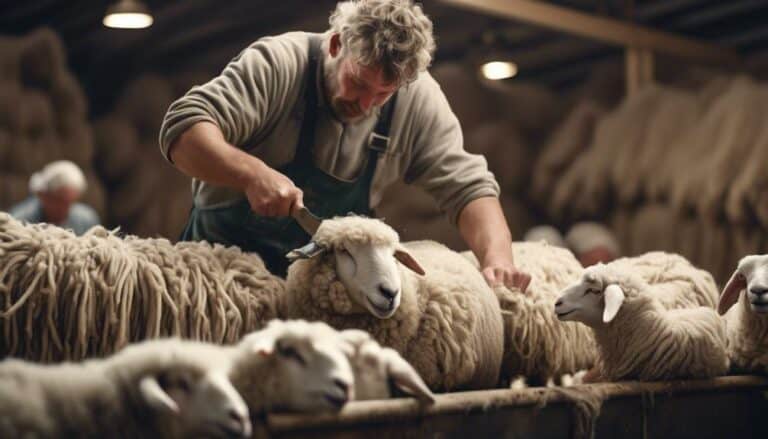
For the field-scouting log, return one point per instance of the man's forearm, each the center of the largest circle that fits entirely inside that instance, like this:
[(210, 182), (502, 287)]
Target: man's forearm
[(202, 152), (484, 229)]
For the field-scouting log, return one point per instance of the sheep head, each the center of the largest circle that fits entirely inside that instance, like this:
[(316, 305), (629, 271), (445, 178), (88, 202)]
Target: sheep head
[(186, 385), (365, 252), (750, 275), (594, 300), (308, 369), (379, 370)]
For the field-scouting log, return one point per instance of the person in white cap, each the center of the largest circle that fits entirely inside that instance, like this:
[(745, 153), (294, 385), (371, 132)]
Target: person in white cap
[(592, 242), (55, 191)]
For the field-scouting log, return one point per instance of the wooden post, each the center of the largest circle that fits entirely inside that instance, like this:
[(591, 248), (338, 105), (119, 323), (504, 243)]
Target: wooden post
[(639, 69)]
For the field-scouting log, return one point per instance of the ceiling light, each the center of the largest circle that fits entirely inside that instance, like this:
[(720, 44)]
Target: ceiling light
[(496, 70), (128, 14)]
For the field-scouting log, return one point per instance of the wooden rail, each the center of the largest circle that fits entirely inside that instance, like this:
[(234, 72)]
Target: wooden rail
[(732, 406)]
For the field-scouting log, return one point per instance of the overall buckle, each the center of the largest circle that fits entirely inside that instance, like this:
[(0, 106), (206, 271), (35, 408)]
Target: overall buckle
[(377, 142)]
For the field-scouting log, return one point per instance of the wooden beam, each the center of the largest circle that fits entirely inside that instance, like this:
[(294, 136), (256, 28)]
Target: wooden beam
[(602, 29)]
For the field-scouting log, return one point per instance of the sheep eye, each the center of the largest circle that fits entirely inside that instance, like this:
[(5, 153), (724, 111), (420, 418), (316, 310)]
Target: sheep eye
[(184, 384), (291, 353)]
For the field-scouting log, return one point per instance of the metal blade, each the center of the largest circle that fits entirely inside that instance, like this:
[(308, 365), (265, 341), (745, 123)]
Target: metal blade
[(307, 220)]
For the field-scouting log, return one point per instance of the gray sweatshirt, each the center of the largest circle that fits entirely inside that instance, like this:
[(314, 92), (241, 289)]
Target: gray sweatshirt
[(257, 103)]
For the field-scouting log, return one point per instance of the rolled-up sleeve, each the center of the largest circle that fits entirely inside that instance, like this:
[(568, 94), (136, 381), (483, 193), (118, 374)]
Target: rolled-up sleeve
[(439, 163), (239, 101)]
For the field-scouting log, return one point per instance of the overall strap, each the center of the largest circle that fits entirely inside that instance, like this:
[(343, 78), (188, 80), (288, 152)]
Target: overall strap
[(306, 144), (378, 142)]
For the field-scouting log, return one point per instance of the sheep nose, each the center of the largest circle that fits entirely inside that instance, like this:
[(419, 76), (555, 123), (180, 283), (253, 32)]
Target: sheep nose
[(240, 423), (387, 292), (342, 385), (758, 290), (558, 303)]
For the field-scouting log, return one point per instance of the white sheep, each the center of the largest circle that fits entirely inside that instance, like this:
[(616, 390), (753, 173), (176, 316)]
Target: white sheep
[(381, 372), (293, 366), (163, 388), (536, 344), (747, 323), (637, 338), (443, 318), (676, 282)]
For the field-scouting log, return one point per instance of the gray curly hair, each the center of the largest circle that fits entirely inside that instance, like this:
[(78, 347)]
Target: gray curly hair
[(393, 34)]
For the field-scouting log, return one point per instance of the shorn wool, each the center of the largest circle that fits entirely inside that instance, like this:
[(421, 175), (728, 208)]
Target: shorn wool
[(64, 297)]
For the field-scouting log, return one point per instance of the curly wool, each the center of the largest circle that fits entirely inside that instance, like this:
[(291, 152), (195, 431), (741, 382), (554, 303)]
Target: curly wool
[(537, 344), (676, 282), (646, 342), (451, 337), (64, 297), (353, 229)]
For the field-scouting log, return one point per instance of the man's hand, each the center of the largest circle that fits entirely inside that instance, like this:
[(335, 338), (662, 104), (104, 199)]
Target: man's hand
[(506, 274), (485, 230), (202, 152), (270, 193)]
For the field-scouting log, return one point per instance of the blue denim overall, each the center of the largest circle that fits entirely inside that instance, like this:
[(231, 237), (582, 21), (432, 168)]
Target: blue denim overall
[(326, 196)]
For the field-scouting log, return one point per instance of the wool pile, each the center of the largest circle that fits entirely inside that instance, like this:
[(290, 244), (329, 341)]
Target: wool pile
[(148, 196), (64, 297), (43, 116), (673, 168)]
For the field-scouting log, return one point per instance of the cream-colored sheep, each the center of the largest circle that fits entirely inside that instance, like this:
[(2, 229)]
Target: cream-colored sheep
[(676, 282), (160, 388), (637, 338), (445, 321), (536, 344), (293, 365), (380, 372), (747, 322)]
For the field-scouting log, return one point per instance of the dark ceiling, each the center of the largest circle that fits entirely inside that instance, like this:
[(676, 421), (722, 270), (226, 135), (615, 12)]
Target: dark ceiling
[(205, 34)]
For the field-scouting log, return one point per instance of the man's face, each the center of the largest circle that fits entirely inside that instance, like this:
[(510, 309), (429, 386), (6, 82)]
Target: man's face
[(354, 90), (56, 203)]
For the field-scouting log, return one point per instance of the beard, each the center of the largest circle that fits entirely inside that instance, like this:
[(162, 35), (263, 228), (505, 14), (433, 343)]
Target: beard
[(346, 111), (349, 112)]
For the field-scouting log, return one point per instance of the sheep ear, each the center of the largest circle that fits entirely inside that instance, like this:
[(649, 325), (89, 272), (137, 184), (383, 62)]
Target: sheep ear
[(731, 292), (308, 251), (155, 396), (614, 297), (405, 258), (405, 378)]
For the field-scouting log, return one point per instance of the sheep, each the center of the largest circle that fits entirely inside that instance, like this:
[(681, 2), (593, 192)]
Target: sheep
[(161, 388), (747, 323), (381, 372), (446, 321), (536, 344), (676, 282), (293, 366), (637, 338)]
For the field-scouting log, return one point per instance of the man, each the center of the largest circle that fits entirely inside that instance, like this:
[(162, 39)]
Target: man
[(328, 121), (55, 191), (592, 243)]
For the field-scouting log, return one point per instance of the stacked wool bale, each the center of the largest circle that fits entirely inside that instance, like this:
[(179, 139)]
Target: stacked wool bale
[(148, 196), (670, 169), (43, 116), (64, 297), (505, 123)]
